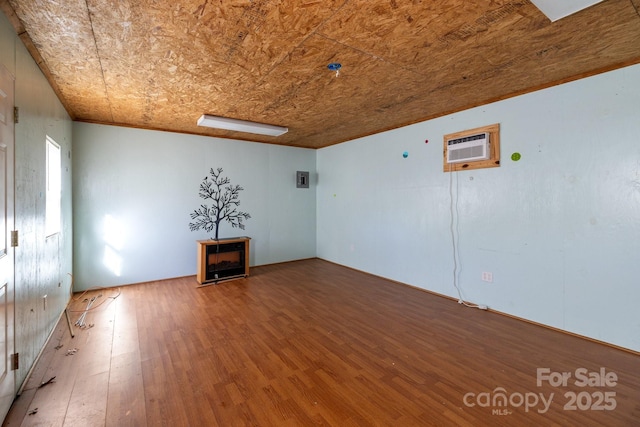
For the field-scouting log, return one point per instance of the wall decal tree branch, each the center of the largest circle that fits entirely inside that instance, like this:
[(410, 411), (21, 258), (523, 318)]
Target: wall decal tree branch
[(225, 200)]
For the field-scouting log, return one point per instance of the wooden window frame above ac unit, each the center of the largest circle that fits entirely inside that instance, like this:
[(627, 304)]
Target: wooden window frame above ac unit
[(494, 149)]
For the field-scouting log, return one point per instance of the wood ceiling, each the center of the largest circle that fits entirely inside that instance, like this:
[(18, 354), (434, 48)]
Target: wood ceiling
[(159, 64)]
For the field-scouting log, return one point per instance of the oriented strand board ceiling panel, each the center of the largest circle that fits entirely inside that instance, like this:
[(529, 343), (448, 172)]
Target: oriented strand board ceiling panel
[(347, 101), (161, 64), (461, 57), (424, 36), (162, 59), (63, 35)]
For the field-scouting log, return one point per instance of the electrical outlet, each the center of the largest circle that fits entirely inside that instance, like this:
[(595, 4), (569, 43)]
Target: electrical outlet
[(487, 276)]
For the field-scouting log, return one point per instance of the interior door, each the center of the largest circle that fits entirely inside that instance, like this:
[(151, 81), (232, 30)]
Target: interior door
[(7, 375)]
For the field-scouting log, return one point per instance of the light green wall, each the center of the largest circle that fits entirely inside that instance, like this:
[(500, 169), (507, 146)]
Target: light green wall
[(559, 229), (146, 183)]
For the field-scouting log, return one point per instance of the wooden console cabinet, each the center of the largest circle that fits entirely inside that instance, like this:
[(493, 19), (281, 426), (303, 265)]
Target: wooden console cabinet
[(222, 259)]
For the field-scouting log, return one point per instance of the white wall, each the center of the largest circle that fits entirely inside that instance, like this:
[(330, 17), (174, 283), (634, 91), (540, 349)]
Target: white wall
[(559, 229), (148, 183)]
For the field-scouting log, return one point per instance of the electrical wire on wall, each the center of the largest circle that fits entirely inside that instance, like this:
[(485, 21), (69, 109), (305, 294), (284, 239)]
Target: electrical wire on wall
[(455, 239)]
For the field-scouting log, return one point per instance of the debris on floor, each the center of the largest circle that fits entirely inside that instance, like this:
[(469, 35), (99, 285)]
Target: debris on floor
[(49, 381), (80, 322), (71, 352), (35, 411)]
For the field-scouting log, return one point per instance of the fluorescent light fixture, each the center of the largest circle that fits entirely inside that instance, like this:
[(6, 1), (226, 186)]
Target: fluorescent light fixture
[(556, 9), (217, 122)]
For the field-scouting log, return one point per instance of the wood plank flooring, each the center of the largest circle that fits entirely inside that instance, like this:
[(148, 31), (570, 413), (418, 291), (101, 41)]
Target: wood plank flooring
[(310, 343)]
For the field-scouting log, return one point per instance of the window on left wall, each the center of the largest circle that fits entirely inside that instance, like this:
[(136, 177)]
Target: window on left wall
[(54, 188)]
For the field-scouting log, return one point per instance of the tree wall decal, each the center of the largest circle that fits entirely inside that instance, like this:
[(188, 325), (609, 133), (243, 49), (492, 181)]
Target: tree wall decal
[(225, 200)]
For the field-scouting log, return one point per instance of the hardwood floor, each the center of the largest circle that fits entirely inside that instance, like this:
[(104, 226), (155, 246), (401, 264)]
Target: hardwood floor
[(312, 343)]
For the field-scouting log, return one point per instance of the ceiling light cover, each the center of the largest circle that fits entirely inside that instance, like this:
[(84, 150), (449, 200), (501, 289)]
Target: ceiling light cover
[(217, 122), (555, 9)]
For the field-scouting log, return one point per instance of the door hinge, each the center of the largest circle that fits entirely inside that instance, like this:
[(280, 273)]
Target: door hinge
[(15, 361), (14, 238), (16, 114)]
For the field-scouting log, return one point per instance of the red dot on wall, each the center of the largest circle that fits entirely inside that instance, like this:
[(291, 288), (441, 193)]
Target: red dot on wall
[(426, 141)]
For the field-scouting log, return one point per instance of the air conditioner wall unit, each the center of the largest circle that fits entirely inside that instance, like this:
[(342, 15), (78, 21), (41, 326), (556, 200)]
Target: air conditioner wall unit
[(468, 148)]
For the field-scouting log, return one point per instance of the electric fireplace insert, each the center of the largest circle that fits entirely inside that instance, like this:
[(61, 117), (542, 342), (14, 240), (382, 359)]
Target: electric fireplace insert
[(222, 259)]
